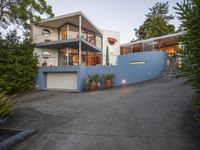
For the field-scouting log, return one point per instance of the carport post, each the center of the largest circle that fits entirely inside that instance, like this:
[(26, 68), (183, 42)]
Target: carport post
[(79, 35)]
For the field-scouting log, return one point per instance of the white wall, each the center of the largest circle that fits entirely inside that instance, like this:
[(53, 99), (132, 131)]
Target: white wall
[(52, 61), (114, 50), (37, 34), (38, 38)]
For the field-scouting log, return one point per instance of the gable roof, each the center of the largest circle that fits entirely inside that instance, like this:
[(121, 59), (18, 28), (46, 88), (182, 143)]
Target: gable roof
[(72, 18)]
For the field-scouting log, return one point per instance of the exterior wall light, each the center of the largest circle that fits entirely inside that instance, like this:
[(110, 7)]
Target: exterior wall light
[(46, 54), (123, 81), (137, 62)]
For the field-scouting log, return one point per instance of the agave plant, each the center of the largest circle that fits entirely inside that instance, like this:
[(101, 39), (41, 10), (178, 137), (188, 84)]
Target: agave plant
[(6, 105)]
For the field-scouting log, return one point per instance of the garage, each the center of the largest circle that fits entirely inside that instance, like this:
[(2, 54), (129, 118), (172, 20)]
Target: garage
[(62, 81)]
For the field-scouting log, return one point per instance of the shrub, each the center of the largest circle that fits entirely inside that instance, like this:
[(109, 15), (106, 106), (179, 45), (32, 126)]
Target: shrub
[(189, 14), (18, 66), (6, 105)]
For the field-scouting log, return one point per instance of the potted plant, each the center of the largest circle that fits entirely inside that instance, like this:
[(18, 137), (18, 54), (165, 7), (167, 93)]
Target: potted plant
[(91, 82), (6, 107), (108, 80)]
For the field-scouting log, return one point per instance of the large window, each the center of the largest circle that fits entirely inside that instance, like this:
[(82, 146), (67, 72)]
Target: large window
[(91, 38), (72, 32), (69, 32), (64, 33), (98, 41), (69, 57)]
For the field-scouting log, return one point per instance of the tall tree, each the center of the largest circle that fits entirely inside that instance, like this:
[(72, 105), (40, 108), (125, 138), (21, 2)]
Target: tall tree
[(156, 23), (189, 14), (160, 10), (18, 66), (23, 12)]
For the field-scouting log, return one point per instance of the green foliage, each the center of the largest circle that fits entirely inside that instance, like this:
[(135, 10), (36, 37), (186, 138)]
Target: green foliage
[(23, 12), (108, 76), (17, 64), (160, 10), (6, 105), (189, 14), (153, 27), (92, 79), (156, 23)]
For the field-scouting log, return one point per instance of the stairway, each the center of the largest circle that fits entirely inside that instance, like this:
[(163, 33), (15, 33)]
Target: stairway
[(170, 71)]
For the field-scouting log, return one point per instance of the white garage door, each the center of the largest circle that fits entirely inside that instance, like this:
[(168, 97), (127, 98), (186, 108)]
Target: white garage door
[(65, 81)]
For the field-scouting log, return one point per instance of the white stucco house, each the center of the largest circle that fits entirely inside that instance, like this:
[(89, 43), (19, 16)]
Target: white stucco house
[(73, 39), (71, 47)]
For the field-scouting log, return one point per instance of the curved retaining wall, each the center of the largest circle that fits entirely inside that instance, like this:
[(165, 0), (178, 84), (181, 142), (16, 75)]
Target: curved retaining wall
[(131, 73)]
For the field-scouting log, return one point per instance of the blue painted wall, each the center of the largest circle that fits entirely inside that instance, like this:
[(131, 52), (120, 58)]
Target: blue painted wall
[(155, 62)]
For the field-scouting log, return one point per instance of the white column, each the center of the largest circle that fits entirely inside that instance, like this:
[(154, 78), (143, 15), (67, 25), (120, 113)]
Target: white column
[(79, 35)]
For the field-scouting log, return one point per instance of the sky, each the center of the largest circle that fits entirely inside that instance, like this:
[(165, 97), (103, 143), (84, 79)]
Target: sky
[(118, 15)]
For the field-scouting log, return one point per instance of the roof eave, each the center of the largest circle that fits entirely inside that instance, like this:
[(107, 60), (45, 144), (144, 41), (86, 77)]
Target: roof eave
[(71, 15), (152, 39)]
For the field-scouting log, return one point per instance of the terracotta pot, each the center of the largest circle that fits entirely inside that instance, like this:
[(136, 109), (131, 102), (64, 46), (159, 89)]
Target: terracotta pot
[(93, 86), (108, 84)]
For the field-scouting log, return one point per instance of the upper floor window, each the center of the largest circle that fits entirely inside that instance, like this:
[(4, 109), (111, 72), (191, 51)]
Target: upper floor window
[(46, 33)]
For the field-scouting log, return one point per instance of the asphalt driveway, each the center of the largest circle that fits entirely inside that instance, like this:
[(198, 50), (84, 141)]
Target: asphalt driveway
[(155, 115)]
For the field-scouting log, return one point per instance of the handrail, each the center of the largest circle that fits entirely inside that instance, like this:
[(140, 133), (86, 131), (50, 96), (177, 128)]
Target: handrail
[(39, 38)]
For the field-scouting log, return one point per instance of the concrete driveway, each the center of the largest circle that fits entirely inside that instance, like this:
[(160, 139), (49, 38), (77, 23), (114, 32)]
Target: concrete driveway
[(155, 115)]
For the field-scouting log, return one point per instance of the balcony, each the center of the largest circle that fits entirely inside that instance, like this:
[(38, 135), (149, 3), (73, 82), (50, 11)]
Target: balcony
[(55, 37)]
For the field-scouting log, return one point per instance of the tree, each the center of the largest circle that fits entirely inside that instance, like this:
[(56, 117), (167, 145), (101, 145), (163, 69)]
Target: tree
[(156, 23), (160, 10), (189, 14), (23, 12), (18, 66)]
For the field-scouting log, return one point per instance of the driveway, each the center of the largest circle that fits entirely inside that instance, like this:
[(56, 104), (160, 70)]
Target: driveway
[(154, 115)]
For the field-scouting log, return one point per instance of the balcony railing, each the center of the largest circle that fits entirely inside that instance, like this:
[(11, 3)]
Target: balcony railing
[(39, 38)]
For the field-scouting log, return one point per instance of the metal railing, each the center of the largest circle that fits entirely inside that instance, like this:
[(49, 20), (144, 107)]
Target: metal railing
[(39, 38)]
